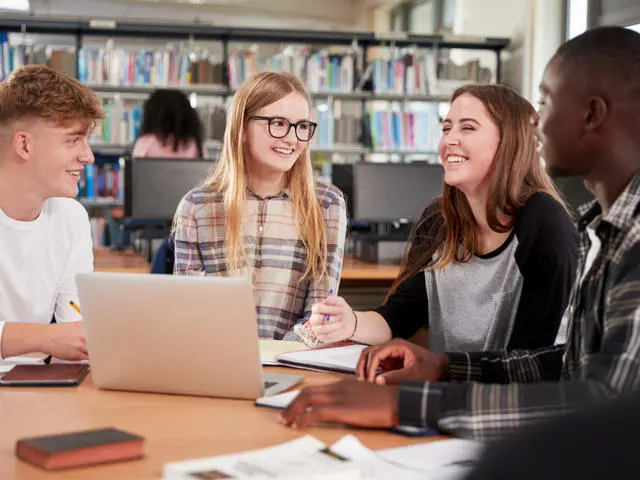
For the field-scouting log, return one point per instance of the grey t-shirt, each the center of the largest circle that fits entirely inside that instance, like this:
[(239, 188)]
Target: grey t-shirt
[(511, 298)]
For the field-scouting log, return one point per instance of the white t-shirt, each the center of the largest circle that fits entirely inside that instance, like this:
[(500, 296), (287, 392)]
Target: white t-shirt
[(39, 261)]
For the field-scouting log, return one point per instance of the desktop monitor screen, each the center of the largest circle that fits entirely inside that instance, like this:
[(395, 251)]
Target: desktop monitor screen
[(155, 186), (384, 192)]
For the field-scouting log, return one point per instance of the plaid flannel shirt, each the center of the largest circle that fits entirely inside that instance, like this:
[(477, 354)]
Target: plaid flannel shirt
[(490, 393), (277, 257)]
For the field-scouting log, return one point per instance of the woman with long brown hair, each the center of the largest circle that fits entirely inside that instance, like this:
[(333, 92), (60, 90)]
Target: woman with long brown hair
[(262, 215), (491, 263)]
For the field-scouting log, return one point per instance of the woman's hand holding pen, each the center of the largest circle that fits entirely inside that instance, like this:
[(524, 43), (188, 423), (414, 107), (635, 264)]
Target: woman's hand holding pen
[(332, 320)]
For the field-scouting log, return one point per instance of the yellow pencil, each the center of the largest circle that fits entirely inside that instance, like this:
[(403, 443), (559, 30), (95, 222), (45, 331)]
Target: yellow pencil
[(75, 307)]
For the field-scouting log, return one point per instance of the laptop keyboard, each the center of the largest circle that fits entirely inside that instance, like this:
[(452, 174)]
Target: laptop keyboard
[(269, 384)]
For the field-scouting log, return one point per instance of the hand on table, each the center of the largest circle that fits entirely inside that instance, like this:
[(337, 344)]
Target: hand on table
[(65, 341), (400, 361), (347, 401)]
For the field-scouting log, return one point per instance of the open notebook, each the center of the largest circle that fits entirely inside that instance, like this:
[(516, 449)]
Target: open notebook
[(343, 359), (270, 349)]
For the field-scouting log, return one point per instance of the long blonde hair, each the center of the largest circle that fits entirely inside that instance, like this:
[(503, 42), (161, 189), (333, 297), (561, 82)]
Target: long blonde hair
[(230, 176), (447, 229)]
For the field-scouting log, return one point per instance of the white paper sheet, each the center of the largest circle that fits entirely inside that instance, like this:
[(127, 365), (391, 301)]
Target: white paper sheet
[(435, 460), (351, 448), (278, 401), (443, 459), (8, 363), (301, 458), (6, 367), (269, 349)]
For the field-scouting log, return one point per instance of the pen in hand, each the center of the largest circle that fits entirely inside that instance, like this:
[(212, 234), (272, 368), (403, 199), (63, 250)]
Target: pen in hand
[(327, 316)]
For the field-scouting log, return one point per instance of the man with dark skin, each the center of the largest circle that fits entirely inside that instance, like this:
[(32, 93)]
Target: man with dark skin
[(589, 125)]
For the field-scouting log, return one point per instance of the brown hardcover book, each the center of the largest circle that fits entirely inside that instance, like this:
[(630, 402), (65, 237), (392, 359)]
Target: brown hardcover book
[(80, 449), (55, 374)]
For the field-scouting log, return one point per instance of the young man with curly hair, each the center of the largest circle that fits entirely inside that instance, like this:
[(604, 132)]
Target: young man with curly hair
[(45, 121)]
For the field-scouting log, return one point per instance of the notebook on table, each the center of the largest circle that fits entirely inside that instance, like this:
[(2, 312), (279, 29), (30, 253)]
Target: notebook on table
[(80, 449), (51, 375), (339, 359)]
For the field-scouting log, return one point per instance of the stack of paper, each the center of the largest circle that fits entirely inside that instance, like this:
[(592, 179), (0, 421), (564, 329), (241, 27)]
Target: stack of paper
[(309, 458), (305, 457), (442, 459)]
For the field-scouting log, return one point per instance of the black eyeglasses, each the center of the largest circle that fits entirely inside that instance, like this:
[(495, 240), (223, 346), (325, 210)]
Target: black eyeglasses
[(279, 127)]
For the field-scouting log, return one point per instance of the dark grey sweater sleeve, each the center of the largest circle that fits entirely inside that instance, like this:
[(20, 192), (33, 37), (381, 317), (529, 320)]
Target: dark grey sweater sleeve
[(547, 257), (406, 309)]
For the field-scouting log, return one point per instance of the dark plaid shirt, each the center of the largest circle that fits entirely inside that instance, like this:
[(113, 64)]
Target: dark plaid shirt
[(489, 393)]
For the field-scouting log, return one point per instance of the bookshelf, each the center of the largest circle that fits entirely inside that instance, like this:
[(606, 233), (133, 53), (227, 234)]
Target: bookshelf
[(377, 98), (211, 61)]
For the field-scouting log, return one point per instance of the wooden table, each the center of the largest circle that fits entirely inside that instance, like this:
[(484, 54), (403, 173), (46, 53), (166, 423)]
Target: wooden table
[(106, 260), (175, 427), (353, 270)]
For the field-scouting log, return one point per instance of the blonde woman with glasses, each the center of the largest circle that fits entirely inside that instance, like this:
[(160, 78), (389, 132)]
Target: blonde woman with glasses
[(261, 214)]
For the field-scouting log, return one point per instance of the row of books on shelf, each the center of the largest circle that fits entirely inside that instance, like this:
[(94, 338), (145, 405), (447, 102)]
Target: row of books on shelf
[(121, 124), (388, 127), (15, 56), (173, 65), (403, 130), (320, 71), (102, 182), (411, 71)]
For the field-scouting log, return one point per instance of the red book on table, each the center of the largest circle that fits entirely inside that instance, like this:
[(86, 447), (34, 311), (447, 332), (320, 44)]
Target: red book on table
[(80, 449)]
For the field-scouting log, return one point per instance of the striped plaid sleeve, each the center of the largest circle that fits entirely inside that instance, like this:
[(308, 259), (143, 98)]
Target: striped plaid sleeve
[(187, 253), (505, 367), (481, 411)]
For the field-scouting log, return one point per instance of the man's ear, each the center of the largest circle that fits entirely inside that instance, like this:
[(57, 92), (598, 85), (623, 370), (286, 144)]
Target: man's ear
[(597, 113), (22, 144)]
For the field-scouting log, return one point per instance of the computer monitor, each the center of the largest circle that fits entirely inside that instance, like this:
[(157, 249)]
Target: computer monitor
[(387, 192), (342, 177), (155, 186)]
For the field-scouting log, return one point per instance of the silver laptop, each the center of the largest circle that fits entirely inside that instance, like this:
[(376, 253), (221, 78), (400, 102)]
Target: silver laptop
[(172, 334)]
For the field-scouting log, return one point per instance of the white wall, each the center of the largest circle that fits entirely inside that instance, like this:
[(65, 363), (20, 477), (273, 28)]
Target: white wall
[(287, 14), (546, 36), (488, 18), (534, 26)]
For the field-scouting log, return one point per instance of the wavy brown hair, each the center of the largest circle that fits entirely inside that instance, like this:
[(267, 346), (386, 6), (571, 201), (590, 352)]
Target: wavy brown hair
[(37, 91), (447, 230)]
